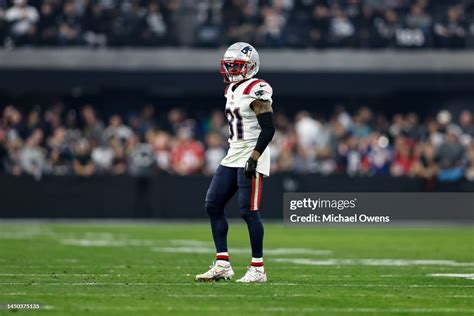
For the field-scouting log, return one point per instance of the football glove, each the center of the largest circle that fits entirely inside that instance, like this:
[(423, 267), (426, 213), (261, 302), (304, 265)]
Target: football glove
[(250, 168)]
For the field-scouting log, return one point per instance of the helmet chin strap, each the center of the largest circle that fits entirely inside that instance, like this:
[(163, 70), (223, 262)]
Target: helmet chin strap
[(236, 78)]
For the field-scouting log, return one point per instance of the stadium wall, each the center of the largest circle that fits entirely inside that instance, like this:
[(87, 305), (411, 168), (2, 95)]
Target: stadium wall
[(288, 60), (163, 196), (291, 72)]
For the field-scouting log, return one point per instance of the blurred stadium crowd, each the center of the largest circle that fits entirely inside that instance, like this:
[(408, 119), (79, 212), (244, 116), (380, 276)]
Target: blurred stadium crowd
[(266, 23), (62, 141)]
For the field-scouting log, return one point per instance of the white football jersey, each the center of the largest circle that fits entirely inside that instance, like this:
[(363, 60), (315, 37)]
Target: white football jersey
[(243, 124)]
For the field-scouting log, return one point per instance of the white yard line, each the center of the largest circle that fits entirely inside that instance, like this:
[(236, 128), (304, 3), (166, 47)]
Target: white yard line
[(72, 265), (374, 262), (368, 310), (314, 295), (182, 246), (233, 295), (204, 284), (269, 251), (418, 310), (66, 294), (191, 283), (71, 275), (254, 295), (468, 276)]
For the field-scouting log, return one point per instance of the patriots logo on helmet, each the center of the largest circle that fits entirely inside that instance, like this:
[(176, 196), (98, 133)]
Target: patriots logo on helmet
[(260, 93), (247, 50)]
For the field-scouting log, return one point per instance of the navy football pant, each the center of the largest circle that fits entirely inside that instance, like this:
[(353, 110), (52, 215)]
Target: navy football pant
[(225, 183)]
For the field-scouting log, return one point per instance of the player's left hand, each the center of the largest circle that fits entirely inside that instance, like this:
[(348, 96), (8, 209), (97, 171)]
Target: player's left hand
[(250, 168)]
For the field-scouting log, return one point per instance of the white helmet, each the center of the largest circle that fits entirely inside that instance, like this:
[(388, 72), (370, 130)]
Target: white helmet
[(240, 61)]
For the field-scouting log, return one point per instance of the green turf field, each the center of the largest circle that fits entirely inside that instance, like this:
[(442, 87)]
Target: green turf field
[(148, 269)]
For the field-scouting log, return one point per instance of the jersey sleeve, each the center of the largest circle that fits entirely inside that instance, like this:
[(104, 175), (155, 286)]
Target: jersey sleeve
[(260, 90)]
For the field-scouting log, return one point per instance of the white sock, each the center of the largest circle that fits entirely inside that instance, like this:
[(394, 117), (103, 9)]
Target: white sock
[(223, 263), (222, 259), (257, 263)]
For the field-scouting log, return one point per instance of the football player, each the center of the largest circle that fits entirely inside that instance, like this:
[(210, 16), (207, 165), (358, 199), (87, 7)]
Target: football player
[(250, 116)]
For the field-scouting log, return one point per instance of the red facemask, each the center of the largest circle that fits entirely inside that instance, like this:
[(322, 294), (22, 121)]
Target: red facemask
[(234, 68)]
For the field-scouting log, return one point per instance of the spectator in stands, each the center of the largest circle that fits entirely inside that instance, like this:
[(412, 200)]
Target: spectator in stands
[(117, 129), (364, 27), (361, 127), (155, 31), (128, 25), (146, 120), (162, 150), (3, 7), (52, 118), (433, 133), (82, 163), (356, 144), (32, 158), (237, 20), (178, 122), (470, 163), (13, 124), (298, 24), (141, 161), (451, 33), (396, 126), (341, 28), (96, 25), (119, 164), (102, 156), (70, 25), (351, 152), (60, 154), (294, 23), (282, 144), (426, 166), (93, 127), (411, 127), (208, 29), (405, 160), (48, 27), (187, 157), (33, 122), (307, 129), (376, 156), (418, 18), (320, 26), (466, 123), (22, 19), (450, 155), (217, 124), (215, 152), (387, 27), (273, 24)]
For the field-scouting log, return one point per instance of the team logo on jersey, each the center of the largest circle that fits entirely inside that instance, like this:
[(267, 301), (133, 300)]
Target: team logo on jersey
[(260, 93), (247, 50)]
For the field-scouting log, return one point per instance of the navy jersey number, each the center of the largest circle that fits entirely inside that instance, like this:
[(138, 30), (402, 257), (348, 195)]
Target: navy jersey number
[(235, 116)]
